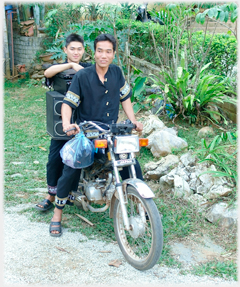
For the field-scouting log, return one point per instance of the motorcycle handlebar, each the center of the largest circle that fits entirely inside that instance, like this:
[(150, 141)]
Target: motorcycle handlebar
[(123, 126)]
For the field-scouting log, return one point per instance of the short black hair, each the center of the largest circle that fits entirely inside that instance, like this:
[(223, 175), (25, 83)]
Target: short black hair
[(105, 37), (74, 38)]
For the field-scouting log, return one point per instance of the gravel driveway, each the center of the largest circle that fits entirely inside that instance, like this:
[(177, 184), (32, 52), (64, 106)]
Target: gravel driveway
[(32, 256)]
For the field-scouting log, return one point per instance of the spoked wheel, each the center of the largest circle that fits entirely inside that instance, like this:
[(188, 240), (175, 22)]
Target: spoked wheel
[(142, 245)]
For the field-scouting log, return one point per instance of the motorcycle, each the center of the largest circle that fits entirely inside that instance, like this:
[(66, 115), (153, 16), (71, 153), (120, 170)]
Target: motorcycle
[(137, 222)]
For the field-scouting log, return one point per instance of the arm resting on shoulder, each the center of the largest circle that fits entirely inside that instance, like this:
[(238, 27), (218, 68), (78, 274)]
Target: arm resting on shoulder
[(55, 69)]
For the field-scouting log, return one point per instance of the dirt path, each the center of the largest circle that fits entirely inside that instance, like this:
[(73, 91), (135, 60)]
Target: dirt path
[(34, 257)]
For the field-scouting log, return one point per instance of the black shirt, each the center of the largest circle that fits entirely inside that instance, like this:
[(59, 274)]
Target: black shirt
[(95, 101)]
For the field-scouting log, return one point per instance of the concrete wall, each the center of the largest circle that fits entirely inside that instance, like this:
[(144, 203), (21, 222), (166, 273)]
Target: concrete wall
[(146, 67), (25, 48)]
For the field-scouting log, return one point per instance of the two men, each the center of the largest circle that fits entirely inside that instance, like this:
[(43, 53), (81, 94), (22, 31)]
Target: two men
[(74, 49), (94, 94)]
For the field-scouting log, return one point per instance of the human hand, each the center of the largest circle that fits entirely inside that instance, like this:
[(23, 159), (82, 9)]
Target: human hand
[(76, 67), (72, 129), (139, 126)]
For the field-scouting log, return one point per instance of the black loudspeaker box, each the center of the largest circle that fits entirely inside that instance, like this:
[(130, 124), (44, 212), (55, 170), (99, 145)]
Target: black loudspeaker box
[(54, 120)]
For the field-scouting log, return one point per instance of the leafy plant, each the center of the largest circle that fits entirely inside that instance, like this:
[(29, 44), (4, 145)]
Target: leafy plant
[(223, 53), (138, 91), (187, 101), (220, 13), (60, 16), (93, 11), (128, 10), (222, 152), (57, 53)]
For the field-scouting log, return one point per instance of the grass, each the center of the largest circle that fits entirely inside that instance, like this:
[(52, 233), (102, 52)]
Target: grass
[(26, 146), (226, 270)]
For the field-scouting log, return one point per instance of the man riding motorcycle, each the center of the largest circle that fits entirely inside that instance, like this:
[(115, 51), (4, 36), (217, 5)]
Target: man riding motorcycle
[(95, 94)]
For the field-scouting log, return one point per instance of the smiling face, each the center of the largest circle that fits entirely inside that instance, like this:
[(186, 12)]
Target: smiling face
[(104, 54), (74, 51)]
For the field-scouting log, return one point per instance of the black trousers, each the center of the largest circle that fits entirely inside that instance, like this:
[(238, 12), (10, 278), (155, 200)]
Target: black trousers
[(68, 177), (55, 167)]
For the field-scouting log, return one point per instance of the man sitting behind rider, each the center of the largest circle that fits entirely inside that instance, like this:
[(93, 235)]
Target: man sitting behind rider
[(94, 94), (74, 48)]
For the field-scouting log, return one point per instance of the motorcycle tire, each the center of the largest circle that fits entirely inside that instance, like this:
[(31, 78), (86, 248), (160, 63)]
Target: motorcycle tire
[(141, 246)]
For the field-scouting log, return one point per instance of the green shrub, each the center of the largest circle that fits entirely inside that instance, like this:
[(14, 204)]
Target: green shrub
[(222, 53), (141, 42)]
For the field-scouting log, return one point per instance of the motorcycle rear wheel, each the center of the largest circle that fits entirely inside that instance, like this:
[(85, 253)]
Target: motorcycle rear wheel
[(141, 246)]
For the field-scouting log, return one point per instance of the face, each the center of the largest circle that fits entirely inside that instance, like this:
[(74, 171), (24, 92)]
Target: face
[(74, 51), (104, 54)]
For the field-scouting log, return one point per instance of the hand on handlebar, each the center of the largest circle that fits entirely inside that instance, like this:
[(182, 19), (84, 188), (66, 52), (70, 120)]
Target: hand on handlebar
[(139, 126), (71, 129)]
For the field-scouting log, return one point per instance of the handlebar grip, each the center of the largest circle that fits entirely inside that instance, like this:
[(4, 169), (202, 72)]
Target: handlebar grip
[(70, 130)]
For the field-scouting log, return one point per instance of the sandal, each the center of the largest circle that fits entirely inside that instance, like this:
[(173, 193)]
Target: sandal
[(45, 205), (55, 226)]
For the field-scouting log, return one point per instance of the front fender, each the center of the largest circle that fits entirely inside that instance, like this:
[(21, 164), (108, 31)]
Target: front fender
[(142, 188)]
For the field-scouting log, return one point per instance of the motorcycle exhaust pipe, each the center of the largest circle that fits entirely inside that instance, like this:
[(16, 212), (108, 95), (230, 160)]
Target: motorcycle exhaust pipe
[(102, 209)]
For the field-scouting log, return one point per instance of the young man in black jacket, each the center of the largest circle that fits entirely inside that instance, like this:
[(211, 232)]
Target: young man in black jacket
[(94, 94), (74, 48)]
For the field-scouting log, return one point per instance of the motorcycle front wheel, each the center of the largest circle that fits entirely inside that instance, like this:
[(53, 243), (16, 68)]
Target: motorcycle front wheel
[(142, 245)]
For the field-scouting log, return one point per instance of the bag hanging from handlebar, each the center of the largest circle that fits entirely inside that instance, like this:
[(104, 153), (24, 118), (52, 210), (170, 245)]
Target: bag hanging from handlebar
[(78, 152)]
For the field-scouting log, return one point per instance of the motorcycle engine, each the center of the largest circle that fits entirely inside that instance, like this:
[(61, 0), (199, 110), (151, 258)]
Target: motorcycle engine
[(93, 191)]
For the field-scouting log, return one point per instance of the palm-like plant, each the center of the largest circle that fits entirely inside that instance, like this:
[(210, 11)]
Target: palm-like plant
[(189, 102)]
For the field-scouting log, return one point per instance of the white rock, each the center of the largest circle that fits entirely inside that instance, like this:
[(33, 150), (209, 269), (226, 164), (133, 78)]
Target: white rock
[(217, 191), (199, 201), (206, 180), (153, 123), (203, 132), (202, 189), (188, 159), (161, 143), (151, 165), (183, 173), (166, 182), (173, 172), (221, 213), (171, 131), (164, 167), (181, 187)]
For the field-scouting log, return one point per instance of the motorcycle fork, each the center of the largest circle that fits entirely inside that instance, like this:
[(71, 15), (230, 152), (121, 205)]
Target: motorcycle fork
[(131, 168), (122, 197)]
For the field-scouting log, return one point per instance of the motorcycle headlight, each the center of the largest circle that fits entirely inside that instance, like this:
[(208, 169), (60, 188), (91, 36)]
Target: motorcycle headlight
[(126, 144)]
